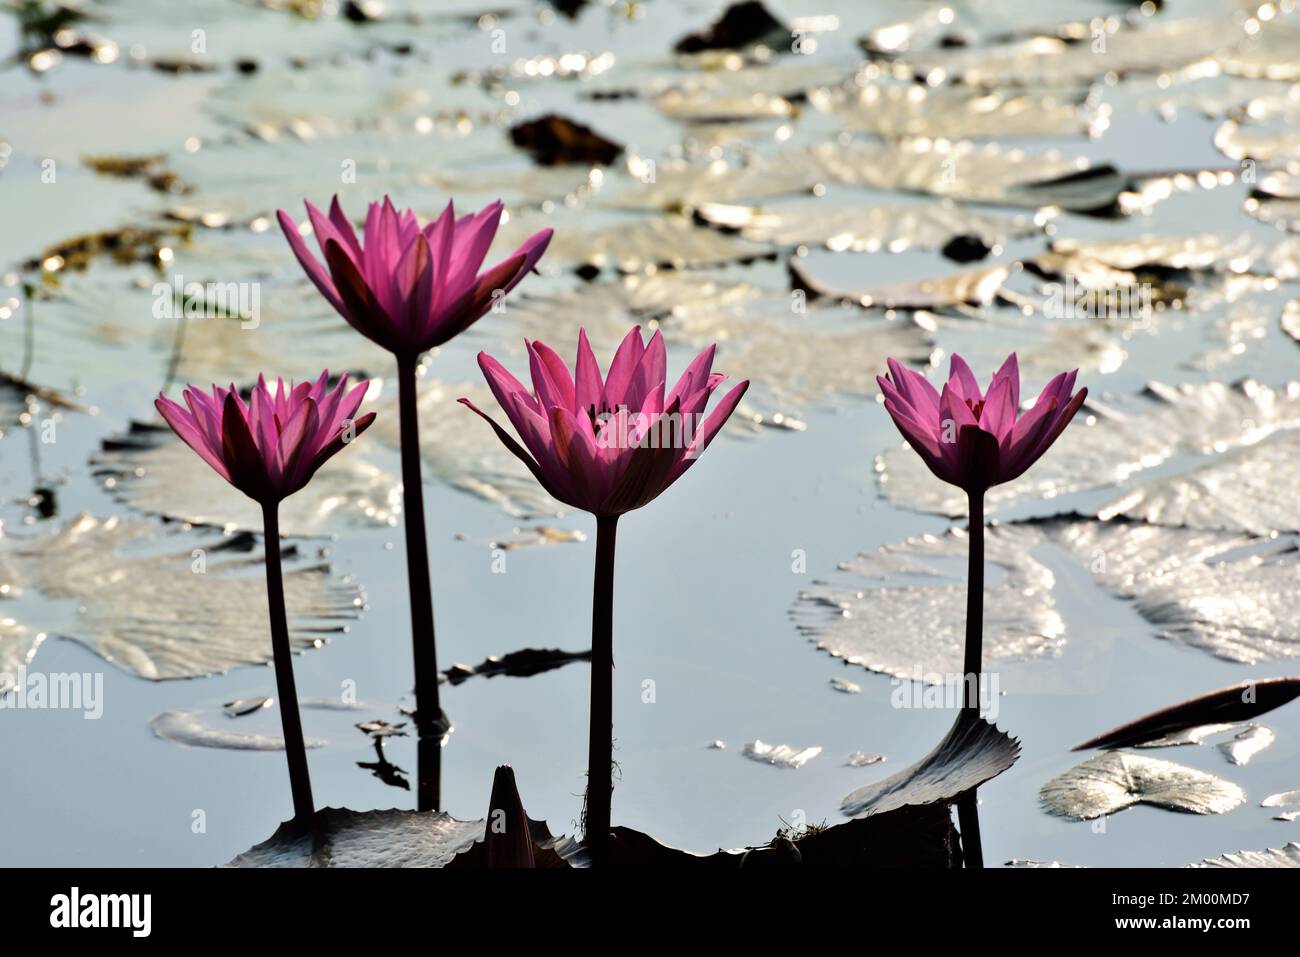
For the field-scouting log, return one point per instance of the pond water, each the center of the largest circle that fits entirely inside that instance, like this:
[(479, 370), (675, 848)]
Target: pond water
[(710, 575)]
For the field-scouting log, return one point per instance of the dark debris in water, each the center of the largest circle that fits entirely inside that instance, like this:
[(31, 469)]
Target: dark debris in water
[(741, 25), (555, 140), (516, 664)]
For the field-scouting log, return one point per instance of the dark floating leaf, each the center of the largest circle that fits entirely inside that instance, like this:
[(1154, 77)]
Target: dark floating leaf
[(971, 753), (1288, 856), (517, 664), (1239, 702), (741, 25), (380, 729), (242, 706), (1114, 780), (554, 141)]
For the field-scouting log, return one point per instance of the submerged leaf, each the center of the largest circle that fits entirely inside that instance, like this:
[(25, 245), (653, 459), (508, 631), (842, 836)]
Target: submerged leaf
[(971, 753), (132, 592), (1114, 780)]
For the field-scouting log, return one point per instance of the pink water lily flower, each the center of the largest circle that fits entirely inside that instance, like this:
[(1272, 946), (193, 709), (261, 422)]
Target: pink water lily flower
[(608, 446), (975, 439), (410, 288), (271, 446)]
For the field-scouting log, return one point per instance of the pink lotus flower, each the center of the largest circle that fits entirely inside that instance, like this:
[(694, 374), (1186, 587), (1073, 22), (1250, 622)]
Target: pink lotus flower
[(975, 439), (610, 446), (270, 447), (409, 288)]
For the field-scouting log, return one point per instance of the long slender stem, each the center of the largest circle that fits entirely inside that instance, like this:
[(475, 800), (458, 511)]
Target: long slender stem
[(304, 808), (973, 661), (968, 819), (600, 741), (967, 809), (428, 711), (29, 332)]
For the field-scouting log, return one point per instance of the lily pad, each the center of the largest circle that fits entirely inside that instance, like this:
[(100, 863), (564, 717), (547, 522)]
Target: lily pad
[(1227, 594), (849, 227), (950, 112), (167, 604), (1115, 780), (971, 753), (189, 729), (1175, 47), (151, 470), (344, 838), (921, 581)]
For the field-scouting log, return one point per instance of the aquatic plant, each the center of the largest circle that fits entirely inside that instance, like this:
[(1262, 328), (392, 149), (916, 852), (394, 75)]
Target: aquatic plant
[(269, 447), (976, 440), (607, 446), (409, 289)]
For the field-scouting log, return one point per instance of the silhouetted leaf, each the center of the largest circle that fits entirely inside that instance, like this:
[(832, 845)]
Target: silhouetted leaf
[(1239, 702), (971, 753)]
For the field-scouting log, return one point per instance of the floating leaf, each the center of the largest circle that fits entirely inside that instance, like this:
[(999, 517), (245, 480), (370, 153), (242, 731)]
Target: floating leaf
[(1281, 799), (780, 755), (845, 686), (960, 171), (1288, 856), (150, 469), (1212, 590), (1041, 61), (1114, 780), (189, 729), (137, 600), (637, 245), (17, 647), (1220, 709), (242, 706), (971, 753), (955, 112), (975, 287), (845, 227), (915, 581), (344, 838)]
